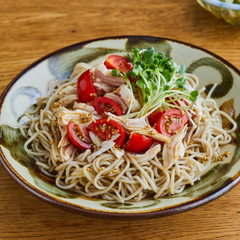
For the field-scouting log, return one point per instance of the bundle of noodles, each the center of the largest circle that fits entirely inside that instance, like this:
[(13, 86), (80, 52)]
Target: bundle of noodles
[(112, 172)]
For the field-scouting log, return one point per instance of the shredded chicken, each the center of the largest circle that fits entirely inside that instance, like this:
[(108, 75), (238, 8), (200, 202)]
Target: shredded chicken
[(65, 139), (149, 154), (78, 69), (126, 96), (69, 99), (131, 124), (67, 152), (105, 75), (174, 149), (102, 87), (69, 90), (105, 146), (78, 116), (85, 107), (118, 152), (118, 100), (152, 133), (95, 139)]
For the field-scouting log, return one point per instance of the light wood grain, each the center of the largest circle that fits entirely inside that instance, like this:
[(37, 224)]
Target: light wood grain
[(31, 29)]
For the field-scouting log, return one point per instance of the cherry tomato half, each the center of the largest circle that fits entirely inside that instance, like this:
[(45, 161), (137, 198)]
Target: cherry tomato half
[(118, 62), (154, 117), (85, 89), (79, 136), (138, 143), (104, 104), (171, 121), (106, 129)]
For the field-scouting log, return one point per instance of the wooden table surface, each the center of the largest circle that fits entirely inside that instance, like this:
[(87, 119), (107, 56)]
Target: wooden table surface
[(31, 29)]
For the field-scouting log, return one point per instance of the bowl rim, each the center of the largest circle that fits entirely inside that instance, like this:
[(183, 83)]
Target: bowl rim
[(160, 212), (227, 6)]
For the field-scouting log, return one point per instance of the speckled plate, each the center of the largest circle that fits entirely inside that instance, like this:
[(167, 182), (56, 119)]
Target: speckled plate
[(31, 83)]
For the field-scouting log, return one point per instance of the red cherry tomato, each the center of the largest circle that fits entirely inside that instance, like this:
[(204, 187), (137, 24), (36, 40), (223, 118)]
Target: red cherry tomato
[(138, 143), (154, 117), (85, 89), (106, 129), (118, 62), (171, 121), (104, 104), (79, 136)]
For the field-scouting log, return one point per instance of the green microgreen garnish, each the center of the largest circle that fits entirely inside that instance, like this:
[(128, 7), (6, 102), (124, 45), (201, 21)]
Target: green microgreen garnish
[(194, 95), (158, 81), (116, 73)]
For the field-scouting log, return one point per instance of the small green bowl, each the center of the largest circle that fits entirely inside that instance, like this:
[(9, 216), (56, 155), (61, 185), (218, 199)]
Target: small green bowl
[(230, 12)]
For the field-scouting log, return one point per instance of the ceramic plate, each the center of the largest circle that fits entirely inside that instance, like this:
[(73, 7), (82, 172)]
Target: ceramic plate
[(21, 93)]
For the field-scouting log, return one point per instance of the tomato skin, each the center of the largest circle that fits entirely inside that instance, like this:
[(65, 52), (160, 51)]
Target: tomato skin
[(167, 126), (85, 89), (118, 62), (100, 106), (75, 139), (138, 143), (154, 117), (106, 133)]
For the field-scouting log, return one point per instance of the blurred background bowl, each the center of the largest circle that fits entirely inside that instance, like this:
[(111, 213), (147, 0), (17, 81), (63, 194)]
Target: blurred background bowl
[(230, 12)]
